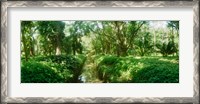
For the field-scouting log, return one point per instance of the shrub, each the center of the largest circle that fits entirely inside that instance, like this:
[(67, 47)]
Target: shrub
[(52, 69), (75, 65), (162, 73), (109, 60), (138, 70), (34, 72), (81, 58), (107, 70)]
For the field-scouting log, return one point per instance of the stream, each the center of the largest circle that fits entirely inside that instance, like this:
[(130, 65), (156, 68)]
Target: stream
[(89, 73)]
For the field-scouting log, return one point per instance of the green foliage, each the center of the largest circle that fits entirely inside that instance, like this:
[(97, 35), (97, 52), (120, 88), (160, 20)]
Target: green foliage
[(139, 70), (157, 73), (173, 24), (56, 51), (144, 44), (52, 69), (67, 45), (108, 37), (106, 70), (34, 72), (78, 30), (169, 43), (81, 58), (109, 60), (167, 48), (27, 30), (51, 33)]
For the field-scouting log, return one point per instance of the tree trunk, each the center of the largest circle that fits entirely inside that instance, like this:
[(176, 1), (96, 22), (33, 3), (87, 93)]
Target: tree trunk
[(32, 47), (58, 51), (124, 51), (25, 47), (58, 45)]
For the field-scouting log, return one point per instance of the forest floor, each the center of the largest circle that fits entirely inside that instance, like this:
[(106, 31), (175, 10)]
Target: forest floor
[(90, 70)]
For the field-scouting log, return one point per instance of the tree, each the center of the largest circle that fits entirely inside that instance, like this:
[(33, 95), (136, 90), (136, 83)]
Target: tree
[(27, 30), (174, 25), (116, 37), (52, 33), (144, 44), (126, 34), (167, 44), (78, 29)]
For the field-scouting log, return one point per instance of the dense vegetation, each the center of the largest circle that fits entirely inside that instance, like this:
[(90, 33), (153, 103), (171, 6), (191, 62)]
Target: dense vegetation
[(99, 51), (52, 69)]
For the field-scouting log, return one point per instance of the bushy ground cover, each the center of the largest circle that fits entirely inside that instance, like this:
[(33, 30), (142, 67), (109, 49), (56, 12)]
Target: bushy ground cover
[(52, 69), (108, 69), (112, 69)]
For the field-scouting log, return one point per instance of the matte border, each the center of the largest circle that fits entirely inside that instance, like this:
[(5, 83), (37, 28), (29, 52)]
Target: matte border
[(4, 63)]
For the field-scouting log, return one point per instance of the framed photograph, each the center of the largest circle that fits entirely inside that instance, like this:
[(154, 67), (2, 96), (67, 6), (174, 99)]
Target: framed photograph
[(100, 52)]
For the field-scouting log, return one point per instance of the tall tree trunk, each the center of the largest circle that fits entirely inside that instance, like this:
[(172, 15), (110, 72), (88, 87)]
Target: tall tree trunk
[(32, 53), (123, 50), (25, 47), (58, 49)]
